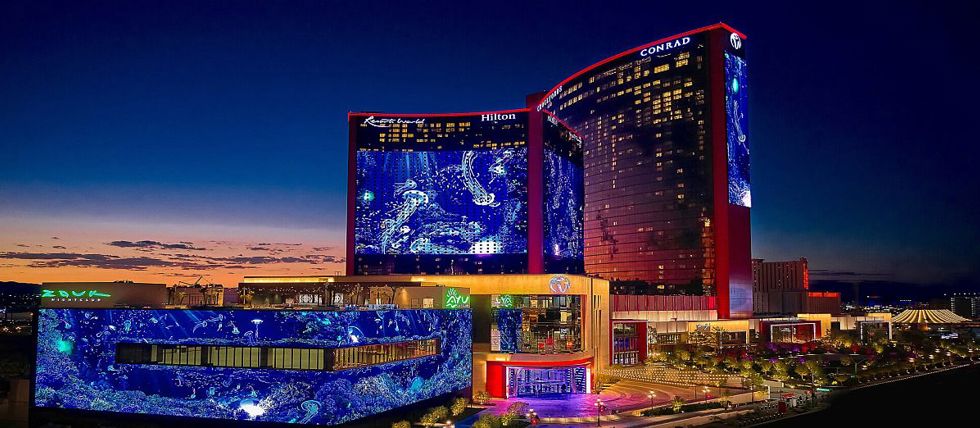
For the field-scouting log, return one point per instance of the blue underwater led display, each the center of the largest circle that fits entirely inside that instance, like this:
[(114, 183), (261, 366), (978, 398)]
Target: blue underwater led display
[(509, 325), (77, 368), (736, 101), (563, 185), (442, 202)]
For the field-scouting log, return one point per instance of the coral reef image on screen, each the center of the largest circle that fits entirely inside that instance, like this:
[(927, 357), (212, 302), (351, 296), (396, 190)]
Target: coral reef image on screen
[(82, 362), (442, 202), (563, 185), (736, 101)]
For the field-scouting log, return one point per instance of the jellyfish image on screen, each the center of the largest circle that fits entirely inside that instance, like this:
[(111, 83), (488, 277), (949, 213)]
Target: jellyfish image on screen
[(441, 202), (736, 100), (78, 366)]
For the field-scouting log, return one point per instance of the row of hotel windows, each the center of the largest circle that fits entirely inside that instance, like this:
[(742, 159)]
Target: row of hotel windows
[(275, 357)]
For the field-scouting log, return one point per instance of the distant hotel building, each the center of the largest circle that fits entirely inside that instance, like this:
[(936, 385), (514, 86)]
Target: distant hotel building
[(966, 305), (660, 133), (784, 288)]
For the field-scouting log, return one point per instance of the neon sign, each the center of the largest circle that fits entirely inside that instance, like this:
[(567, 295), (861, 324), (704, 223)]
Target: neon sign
[(64, 294), (505, 301), (456, 300)]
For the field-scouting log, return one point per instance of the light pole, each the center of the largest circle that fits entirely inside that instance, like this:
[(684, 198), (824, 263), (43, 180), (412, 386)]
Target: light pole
[(598, 412), (705, 390), (651, 395)]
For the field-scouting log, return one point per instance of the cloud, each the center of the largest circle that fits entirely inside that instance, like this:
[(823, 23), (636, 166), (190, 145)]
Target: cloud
[(322, 248), (60, 247), (155, 245)]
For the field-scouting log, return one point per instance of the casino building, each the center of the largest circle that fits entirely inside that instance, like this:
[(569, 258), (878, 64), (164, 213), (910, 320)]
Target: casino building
[(106, 354), (532, 334), (657, 137)]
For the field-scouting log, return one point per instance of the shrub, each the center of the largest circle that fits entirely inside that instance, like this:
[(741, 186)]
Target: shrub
[(401, 424), (458, 406), (518, 408), (435, 414), (677, 403), (487, 421), (482, 397)]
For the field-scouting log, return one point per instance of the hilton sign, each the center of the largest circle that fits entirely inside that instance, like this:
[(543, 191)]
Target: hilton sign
[(496, 116)]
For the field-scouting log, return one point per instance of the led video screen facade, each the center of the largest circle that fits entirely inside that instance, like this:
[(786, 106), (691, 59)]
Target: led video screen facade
[(736, 101), (563, 198), (307, 367), (441, 194)]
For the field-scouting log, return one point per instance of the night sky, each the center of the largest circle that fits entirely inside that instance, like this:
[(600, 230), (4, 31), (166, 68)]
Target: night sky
[(160, 140)]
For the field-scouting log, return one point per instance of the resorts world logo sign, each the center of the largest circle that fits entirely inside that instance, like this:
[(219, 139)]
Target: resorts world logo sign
[(387, 122), (560, 284), (736, 40)]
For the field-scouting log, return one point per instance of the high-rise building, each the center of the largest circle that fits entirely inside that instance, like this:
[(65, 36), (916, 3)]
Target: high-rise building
[(650, 144), (464, 193), (666, 152)]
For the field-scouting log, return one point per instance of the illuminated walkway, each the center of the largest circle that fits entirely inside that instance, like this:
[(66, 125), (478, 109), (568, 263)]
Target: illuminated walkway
[(624, 396)]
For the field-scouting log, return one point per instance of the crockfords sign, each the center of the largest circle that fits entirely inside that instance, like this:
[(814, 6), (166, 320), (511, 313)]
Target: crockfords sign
[(655, 49), (388, 121), (493, 117)]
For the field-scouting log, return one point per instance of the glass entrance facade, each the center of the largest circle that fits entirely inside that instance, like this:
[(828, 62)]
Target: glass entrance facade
[(626, 345), (535, 381), (543, 324)]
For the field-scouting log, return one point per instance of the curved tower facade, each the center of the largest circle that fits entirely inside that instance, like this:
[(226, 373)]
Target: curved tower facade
[(667, 191)]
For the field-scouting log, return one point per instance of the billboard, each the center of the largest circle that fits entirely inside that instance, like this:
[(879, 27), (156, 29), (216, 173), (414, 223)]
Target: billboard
[(564, 185), (441, 202), (736, 102), (82, 365)]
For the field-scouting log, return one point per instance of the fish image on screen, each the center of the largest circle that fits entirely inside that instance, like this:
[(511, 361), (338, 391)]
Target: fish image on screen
[(442, 202), (736, 102), (248, 365)]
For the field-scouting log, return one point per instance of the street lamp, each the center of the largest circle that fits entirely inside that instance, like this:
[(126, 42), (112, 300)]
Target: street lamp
[(598, 412), (651, 395), (449, 424), (705, 390)]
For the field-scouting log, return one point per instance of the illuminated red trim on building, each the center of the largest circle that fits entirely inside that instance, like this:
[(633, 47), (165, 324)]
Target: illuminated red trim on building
[(640, 302), (457, 114), (720, 25)]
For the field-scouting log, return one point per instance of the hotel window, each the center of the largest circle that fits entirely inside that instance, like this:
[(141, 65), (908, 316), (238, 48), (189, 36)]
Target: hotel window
[(283, 358), (369, 355)]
